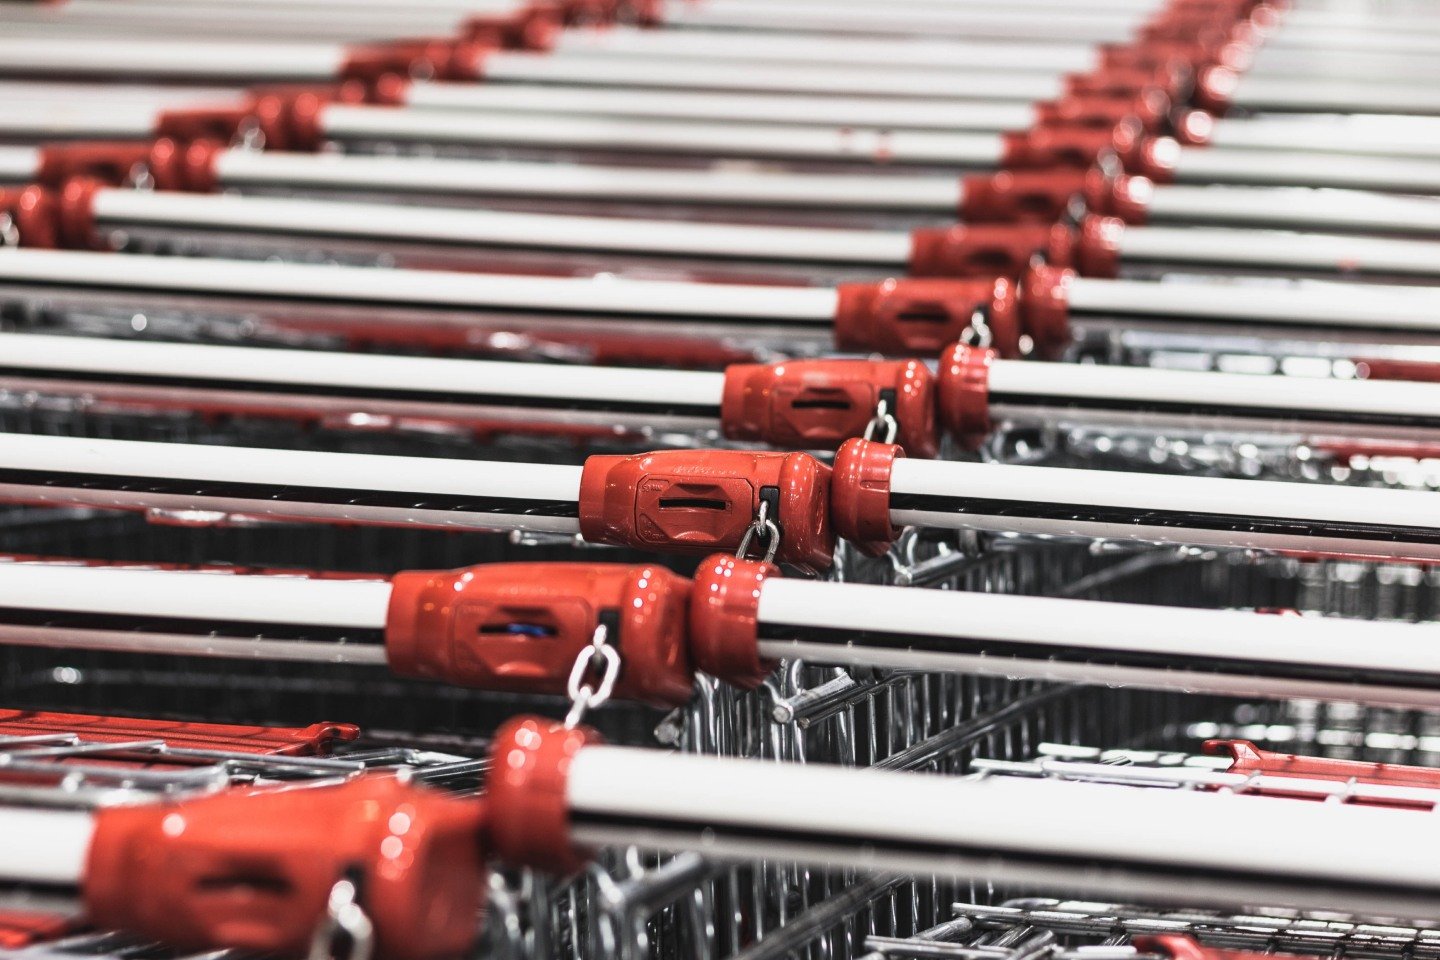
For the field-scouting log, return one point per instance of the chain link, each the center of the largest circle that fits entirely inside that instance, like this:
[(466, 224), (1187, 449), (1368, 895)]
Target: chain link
[(584, 696), (343, 914), (978, 333), (883, 420), (762, 526)]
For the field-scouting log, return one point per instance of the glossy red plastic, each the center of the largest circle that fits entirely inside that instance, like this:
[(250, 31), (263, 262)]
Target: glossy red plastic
[(1215, 89), (1044, 308), (32, 212), (75, 215), (724, 610), (432, 59), (1124, 197), (282, 741), (1027, 196), (976, 250), (1249, 759), (222, 123), (1150, 107), (1093, 250), (701, 501), (254, 870), (114, 163), (964, 389), (532, 27), (860, 495), (819, 404), (919, 317), (177, 165), (20, 928), (527, 817), (520, 626)]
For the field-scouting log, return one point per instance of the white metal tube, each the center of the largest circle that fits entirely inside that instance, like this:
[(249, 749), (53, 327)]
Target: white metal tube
[(1367, 41), (18, 164), (289, 484), (1007, 830), (1298, 208), (1235, 653), (480, 129), (1054, 501), (547, 67), (25, 92), (1066, 26), (1341, 305), (45, 846), (193, 613), (316, 382), (1302, 169), (161, 19), (856, 51), (1270, 61), (888, 114), (204, 60), (501, 178), (1396, 136), (884, 249), (1020, 388), (585, 296), (1330, 253), (1336, 96), (70, 120)]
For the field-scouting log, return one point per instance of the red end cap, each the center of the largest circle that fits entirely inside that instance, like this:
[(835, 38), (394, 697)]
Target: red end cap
[(965, 393), (519, 627), (1044, 309), (75, 215), (253, 870), (527, 817), (1093, 250), (33, 214), (1150, 157), (819, 404), (1215, 89), (976, 250), (724, 610), (186, 166), (701, 501), (112, 163), (1124, 197), (861, 495), (919, 317), (1027, 196)]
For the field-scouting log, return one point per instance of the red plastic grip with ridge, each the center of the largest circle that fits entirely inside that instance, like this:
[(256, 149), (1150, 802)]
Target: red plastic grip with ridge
[(1247, 758), (520, 626), (819, 404), (253, 870), (919, 317), (701, 501)]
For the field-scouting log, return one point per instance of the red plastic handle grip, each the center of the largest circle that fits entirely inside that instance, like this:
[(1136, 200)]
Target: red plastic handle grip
[(254, 871)]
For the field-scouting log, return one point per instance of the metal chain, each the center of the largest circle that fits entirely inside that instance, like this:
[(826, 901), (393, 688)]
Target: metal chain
[(978, 333), (762, 526), (883, 420), (343, 914), (583, 695)]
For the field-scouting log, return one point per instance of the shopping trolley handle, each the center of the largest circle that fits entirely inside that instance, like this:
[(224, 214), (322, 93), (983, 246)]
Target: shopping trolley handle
[(860, 495), (533, 26), (977, 249), (819, 404), (527, 817), (1247, 758), (706, 500), (278, 872), (963, 393), (522, 627), (919, 317), (1100, 110)]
